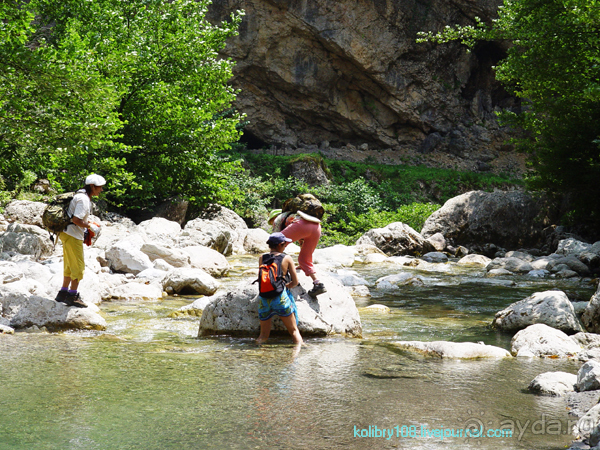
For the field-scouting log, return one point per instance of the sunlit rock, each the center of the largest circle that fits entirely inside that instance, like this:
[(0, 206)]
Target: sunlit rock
[(126, 255), (553, 384), (375, 309), (397, 238), (27, 240), (512, 264), (23, 309), (588, 377), (190, 281), (359, 291), (394, 282), (236, 311), (348, 277), (539, 273), (474, 260), (207, 259), (25, 212), (209, 233), (458, 350), (335, 256), (255, 240), (544, 341), (160, 231), (552, 308), (173, 256), (588, 427)]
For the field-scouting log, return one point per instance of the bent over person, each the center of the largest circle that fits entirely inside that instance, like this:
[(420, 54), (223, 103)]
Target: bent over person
[(72, 240)]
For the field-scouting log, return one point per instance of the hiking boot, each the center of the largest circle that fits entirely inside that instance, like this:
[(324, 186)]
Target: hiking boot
[(61, 297), (75, 300), (318, 288)]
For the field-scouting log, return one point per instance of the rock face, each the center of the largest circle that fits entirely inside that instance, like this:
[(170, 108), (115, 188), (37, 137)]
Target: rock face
[(506, 219), (591, 314), (552, 308), (332, 73), (236, 312)]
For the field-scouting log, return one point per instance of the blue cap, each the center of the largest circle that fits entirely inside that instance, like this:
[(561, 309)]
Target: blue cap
[(277, 238)]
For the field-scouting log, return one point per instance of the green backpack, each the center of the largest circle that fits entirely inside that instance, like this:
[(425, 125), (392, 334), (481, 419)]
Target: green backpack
[(55, 217)]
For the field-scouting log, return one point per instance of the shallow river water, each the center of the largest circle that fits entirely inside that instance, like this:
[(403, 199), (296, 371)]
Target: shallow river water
[(148, 381)]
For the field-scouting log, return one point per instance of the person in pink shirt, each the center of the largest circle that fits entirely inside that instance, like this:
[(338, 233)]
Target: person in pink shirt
[(307, 229)]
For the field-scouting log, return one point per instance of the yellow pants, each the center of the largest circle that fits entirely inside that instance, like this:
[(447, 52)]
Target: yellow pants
[(74, 264)]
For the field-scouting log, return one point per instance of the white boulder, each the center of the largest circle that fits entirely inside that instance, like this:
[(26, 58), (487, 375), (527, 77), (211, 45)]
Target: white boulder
[(553, 384), (540, 340), (456, 350)]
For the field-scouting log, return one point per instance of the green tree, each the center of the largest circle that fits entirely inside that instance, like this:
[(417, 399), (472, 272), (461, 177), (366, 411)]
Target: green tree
[(152, 108), (553, 64)]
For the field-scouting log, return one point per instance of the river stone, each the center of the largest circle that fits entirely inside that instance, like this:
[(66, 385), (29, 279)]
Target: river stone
[(568, 263), (225, 216), (538, 273), (587, 425), (374, 258), (25, 310), (359, 291), (507, 219), (396, 238), (10, 272), (236, 312), (112, 232), (435, 257), (588, 377), (136, 291), (173, 256), (335, 256), (190, 281), (126, 255), (474, 260), (514, 265), (25, 212), (160, 230), (458, 350), (207, 233), (348, 277), (375, 309), (572, 246), (587, 340), (255, 241), (591, 315), (5, 329), (540, 340), (27, 240), (578, 403), (436, 242), (554, 384), (194, 309), (552, 308), (208, 259), (394, 282)]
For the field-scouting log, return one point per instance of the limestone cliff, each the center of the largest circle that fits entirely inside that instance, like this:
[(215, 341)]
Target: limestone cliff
[(319, 72)]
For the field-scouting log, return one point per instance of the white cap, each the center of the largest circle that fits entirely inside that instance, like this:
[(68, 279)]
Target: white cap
[(96, 180)]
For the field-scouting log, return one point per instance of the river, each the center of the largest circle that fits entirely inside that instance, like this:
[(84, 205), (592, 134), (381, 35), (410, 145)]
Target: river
[(148, 381)]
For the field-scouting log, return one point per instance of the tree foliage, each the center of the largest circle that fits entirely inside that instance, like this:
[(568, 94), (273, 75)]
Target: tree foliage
[(553, 64), (134, 90)]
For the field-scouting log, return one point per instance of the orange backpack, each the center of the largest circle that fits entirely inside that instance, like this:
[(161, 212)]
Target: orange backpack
[(270, 280)]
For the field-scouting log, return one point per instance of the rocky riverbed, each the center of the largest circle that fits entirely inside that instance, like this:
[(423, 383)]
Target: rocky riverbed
[(214, 261)]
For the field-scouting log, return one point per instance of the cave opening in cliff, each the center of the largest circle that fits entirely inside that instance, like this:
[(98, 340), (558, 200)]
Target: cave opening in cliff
[(252, 141), (482, 77)]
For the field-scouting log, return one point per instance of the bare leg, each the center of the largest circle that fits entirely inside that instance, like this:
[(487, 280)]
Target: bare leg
[(265, 331), (68, 281), (290, 324)]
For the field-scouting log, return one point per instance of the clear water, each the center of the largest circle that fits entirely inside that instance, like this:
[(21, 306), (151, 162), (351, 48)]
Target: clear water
[(148, 382)]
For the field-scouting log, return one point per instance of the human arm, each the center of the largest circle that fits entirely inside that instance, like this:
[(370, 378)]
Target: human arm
[(290, 268), (85, 224)]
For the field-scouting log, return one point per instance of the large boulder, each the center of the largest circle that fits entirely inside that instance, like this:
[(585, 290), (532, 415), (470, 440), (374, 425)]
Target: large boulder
[(189, 281), (25, 212), (136, 291), (336, 256), (207, 259), (588, 377), (208, 233), (255, 241), (553, 384), (540, 340), (506, 219), (126, 255), (27, 240), (591, 315), (552, 308), (236, 312), (173, 256), (225, 216), (23, 309), (454, 350), (160, 230), (395, 239), (514, 265)]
